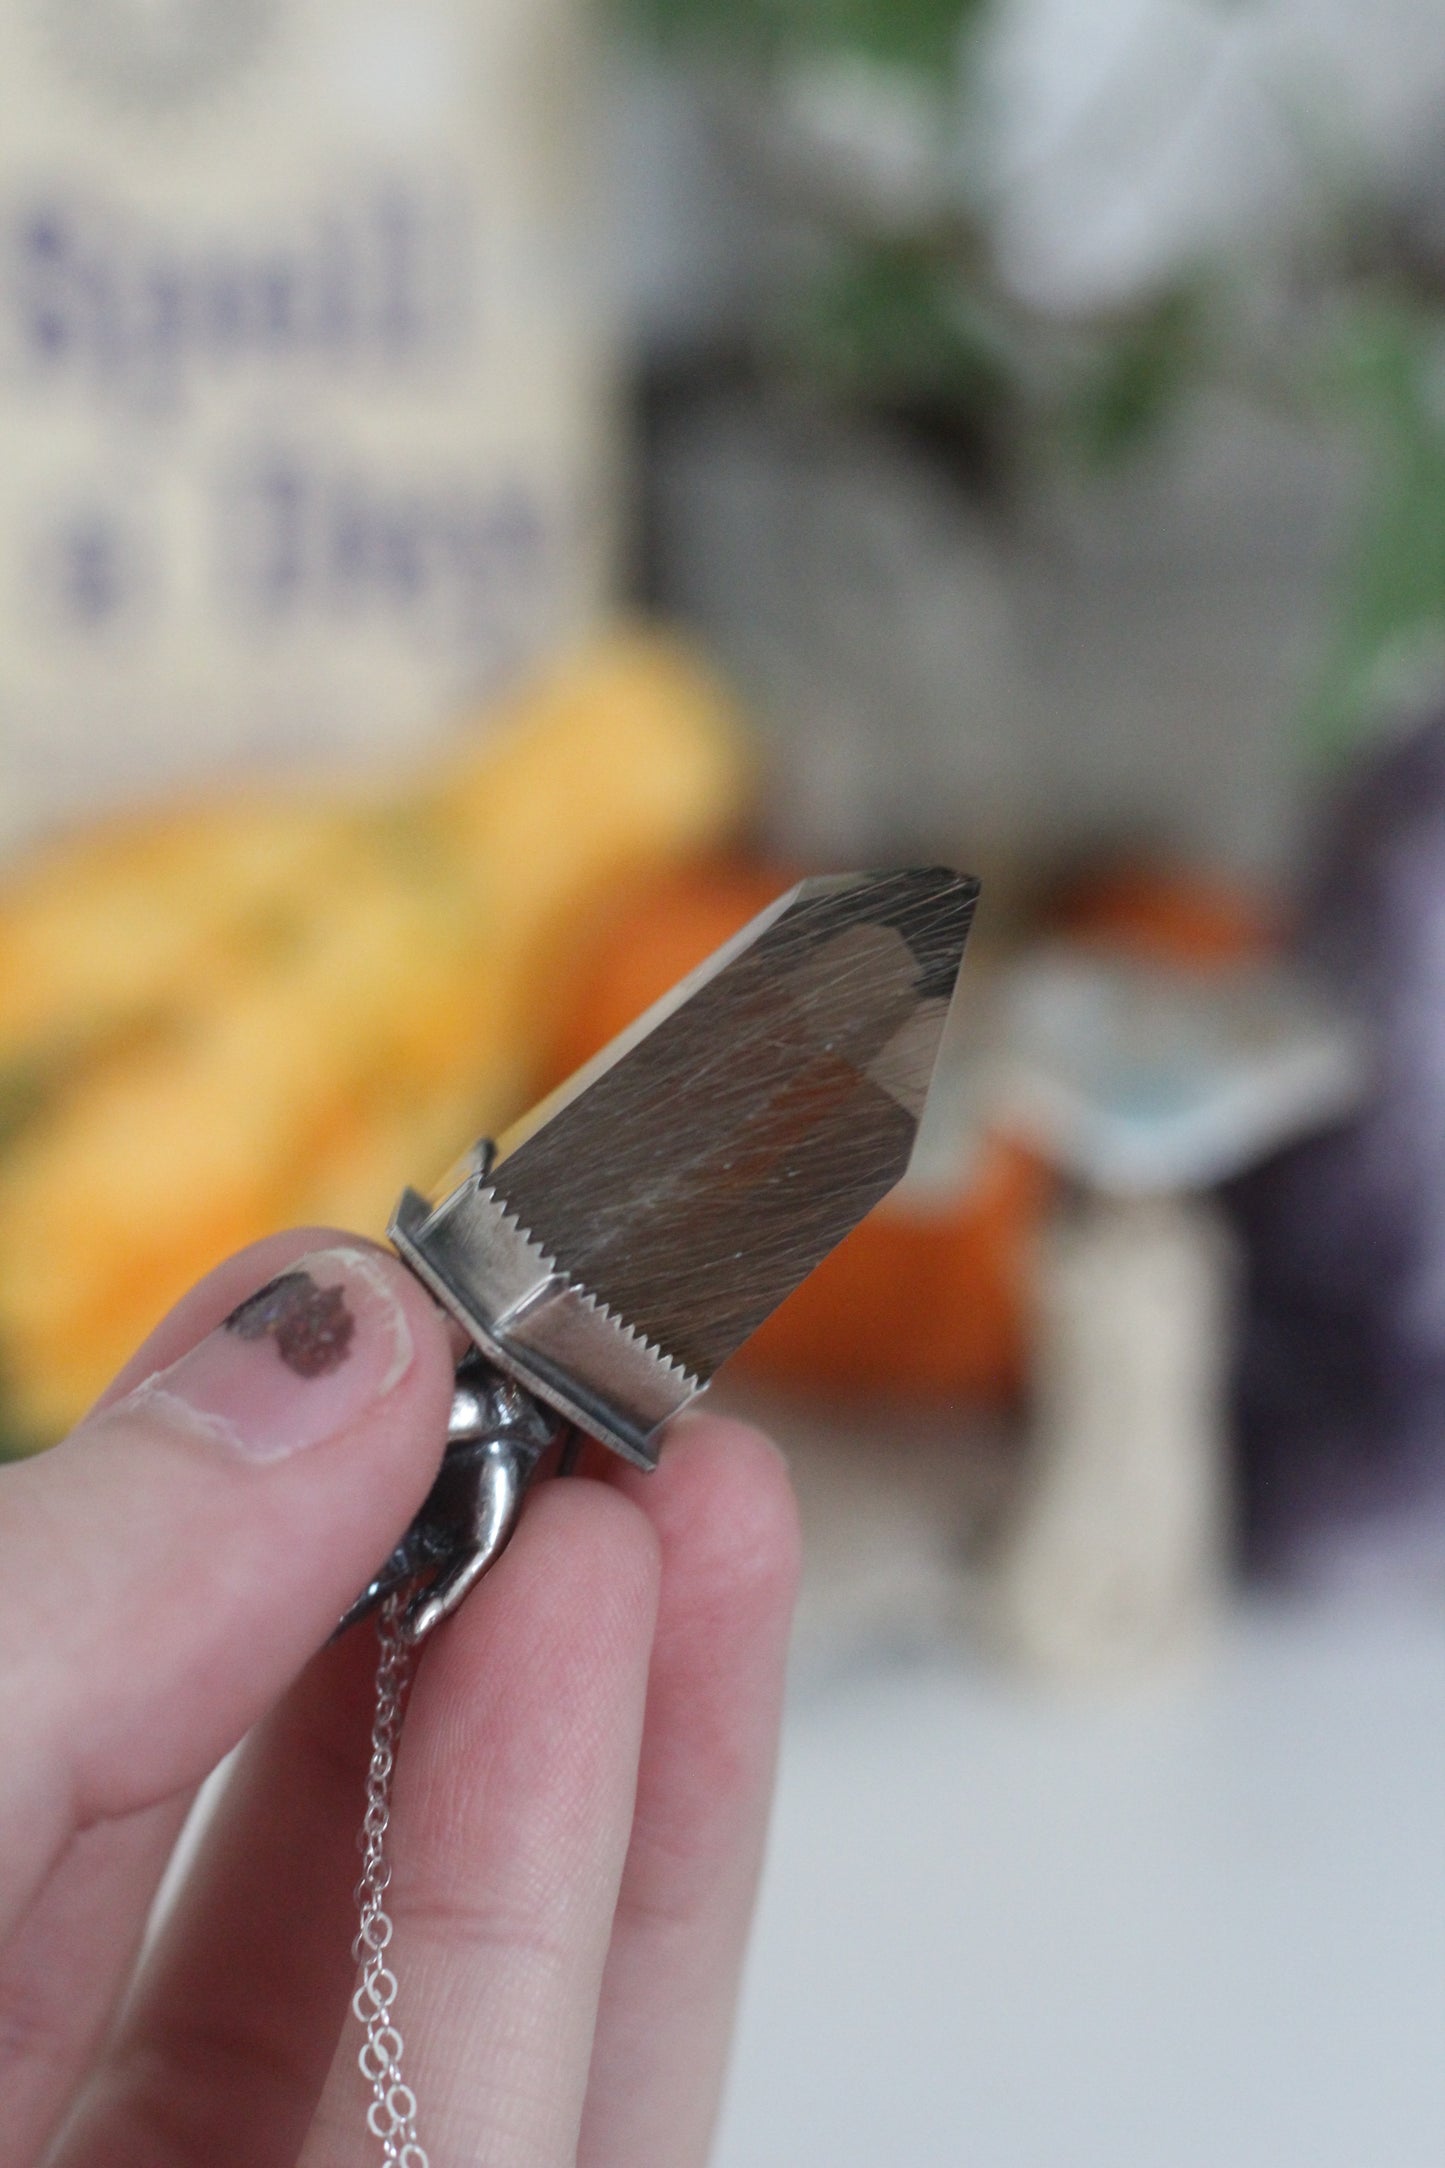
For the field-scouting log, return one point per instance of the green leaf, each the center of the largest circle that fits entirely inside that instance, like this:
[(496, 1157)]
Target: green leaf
[(1142, 369), (923, 34), (1388, 633), (892, 326)]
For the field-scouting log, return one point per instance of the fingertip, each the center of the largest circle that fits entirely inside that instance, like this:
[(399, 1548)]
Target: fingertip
[(433, 1357), (528, 1705), (212, 1299), (583, 1568), (723, 1500)]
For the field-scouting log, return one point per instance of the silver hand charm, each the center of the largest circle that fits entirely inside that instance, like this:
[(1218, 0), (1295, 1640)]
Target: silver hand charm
[(496, 1436)]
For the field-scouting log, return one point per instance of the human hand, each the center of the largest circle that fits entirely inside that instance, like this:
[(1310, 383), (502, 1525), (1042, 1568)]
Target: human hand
[(580, 1794)]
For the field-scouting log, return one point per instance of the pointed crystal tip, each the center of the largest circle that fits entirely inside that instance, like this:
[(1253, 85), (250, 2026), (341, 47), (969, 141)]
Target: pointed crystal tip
[(700, 1168)]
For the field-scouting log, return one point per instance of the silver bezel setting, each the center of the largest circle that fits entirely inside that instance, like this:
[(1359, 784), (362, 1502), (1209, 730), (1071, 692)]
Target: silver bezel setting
[(540, 1326)]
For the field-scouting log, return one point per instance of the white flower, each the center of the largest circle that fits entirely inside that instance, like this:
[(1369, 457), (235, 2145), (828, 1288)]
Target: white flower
[(1124, 139)]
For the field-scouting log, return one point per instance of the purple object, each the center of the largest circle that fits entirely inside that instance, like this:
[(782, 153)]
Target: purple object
[(1342, 1377)]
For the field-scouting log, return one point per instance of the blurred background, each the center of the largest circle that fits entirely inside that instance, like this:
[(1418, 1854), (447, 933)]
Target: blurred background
[(493, 491)]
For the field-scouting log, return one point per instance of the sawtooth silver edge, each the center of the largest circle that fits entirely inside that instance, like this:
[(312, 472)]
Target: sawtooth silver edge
[(543, 1328)]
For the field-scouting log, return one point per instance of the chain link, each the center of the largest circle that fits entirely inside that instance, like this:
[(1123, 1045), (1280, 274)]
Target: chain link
[(392, 2114)]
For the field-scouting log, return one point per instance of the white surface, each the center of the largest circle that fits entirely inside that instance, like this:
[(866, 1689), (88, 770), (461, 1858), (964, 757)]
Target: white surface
[(1202, 1927)]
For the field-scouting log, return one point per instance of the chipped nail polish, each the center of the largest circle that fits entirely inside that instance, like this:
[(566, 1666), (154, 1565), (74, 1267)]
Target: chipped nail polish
[(297, 1361)]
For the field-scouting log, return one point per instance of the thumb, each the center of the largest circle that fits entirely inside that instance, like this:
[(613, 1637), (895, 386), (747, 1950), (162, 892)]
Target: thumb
[(168, 1569)]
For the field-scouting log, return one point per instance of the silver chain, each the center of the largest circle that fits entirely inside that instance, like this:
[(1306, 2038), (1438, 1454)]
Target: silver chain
[(392, 2114)]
